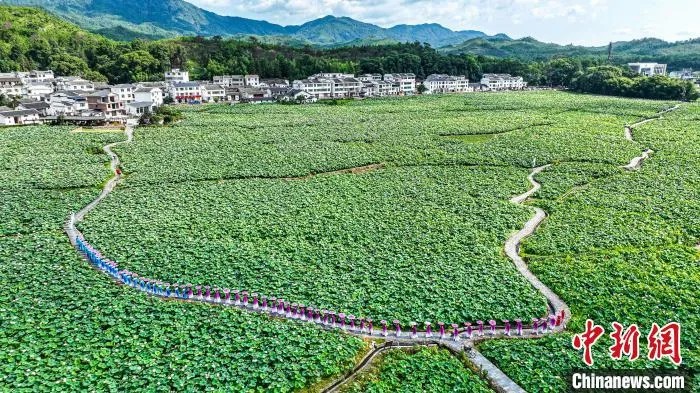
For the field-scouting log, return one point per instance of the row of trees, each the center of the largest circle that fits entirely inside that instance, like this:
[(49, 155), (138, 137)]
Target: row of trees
[(610, 80)]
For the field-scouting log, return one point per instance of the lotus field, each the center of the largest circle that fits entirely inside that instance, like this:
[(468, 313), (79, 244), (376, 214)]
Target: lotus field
[(389, 209)]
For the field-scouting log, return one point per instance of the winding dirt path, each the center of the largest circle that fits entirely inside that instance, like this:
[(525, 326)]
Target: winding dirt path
[(636, 163), (512, 249)]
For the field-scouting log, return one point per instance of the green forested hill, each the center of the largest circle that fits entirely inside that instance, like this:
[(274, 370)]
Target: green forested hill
[(153, 19), (680, 54)]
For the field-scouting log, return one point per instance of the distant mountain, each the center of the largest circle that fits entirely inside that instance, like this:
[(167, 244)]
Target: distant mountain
[(152, 19), (678, 54)]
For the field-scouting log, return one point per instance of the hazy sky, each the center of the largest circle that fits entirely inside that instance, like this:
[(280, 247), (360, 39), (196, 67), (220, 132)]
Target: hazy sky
[(589, 22)]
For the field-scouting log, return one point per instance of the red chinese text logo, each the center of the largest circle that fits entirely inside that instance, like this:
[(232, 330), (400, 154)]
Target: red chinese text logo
[(663, 342)]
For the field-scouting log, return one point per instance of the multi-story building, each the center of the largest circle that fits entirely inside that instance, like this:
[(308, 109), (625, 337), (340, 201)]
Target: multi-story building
[(73, 83), (317, 87), (125, 92), (503, 82), (11, 86), (37, 90), (106, 102), (237, 80), (230, 80), (252, 80), (212, 93), (441, 83), (153, 95), (648, 69), (177, 75), (346, 87), (370, 77), (186, 91), (36, 76), (406, 82)]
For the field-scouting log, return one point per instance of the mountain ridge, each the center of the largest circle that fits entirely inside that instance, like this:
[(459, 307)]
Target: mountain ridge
[(154, 19)]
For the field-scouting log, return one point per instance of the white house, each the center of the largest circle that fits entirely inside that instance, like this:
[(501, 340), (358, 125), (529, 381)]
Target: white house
[(252, 80), (346, 87), (11, 86), (441, 83), (229, 80), (125, 92), (186, 91), (370, 77), (212, 93), (19, 117), (406, 82), (177, 75), (138, 108), (153, 95), (648, 69), (298, 96), (74, 83), (43, 107), (37, 90), (317, 87), (36, 76), (503, 82)]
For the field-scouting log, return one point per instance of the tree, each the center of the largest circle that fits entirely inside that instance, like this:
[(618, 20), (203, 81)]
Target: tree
[(421, 88)]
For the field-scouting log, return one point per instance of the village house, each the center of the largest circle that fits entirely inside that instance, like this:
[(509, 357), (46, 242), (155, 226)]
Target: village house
[(67, 103), (298, 96), (19, 117), (138, 108), (406, 82), (370, 77), (275, 83), (346, 87), (37, 90), (104, 101), (11, 86), (213, 93), (125, 92), (317, 87), (237, 80), (648, 69), (441, 83), (36, 76), (186, 92), (503, 82), (154, 95), (177, 76), (43, 107), (73, 83)]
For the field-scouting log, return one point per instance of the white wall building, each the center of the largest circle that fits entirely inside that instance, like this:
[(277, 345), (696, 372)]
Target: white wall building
[(212, 93), (125, 92), (73, 83), (441, 83), (36, 76), (37, 90), (237, 80), (406, 82), (319, 88), (503, 82), (252, 80), (19, 117), (153, 95), (177, 75), (186, 91), (648, 69), (11, 86)]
